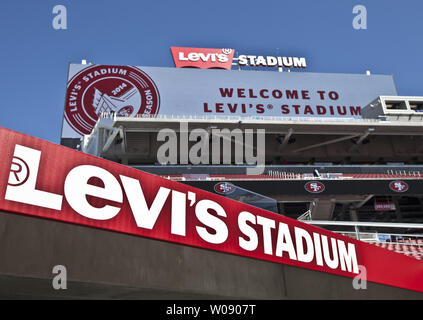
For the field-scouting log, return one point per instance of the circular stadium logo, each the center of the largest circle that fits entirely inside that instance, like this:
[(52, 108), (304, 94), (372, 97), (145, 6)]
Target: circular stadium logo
[(314, 187), (398, 186), (224, 188), (123, 90)]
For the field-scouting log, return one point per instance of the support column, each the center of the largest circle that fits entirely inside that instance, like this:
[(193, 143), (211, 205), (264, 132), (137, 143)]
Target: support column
[(397, 209), (323, 209)]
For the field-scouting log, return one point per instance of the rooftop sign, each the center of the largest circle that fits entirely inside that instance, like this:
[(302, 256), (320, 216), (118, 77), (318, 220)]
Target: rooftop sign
[(130, 91), (224, 59), (202, 58)]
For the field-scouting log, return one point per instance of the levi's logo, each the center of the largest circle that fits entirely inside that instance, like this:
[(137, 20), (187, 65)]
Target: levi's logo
[(23, 177), (213, 57), (202, 58)]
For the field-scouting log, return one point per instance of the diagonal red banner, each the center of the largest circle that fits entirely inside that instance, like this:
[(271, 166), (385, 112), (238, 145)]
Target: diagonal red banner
[(42, 179)]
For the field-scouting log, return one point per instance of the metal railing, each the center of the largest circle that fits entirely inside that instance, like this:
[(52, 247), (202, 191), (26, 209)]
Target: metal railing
[(239, 118), (404, 173), (405, 243), (291, 176)]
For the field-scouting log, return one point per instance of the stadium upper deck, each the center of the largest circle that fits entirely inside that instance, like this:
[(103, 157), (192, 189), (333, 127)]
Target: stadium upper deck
[(355, 159), (390, 131)]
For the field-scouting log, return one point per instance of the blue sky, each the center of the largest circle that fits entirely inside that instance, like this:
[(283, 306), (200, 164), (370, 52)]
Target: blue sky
[(34, 57)]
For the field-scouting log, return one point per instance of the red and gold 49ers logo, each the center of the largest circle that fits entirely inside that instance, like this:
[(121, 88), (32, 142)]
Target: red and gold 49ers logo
[(123, 90), (398, 186), (224, 188), (314, 187)]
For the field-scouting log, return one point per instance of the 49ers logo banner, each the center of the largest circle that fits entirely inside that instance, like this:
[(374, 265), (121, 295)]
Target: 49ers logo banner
[(41, 179), (314, 187), (224, 188), (398, 186)]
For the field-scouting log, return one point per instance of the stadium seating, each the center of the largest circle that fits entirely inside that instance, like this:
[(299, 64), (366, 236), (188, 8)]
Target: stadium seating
[(410, 247)]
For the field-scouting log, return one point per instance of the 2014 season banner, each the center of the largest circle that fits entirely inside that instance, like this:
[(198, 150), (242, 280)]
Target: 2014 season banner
[(130, 91), (42, 179)]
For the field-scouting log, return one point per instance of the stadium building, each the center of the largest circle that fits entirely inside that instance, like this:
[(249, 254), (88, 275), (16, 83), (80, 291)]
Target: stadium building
[(342, 152)]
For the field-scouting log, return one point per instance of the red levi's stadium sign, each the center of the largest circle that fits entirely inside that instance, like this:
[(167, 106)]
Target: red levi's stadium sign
[(202, 58), (42, 179)]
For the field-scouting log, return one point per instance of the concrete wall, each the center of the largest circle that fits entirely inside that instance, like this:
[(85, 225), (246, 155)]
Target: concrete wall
[(103, 264)]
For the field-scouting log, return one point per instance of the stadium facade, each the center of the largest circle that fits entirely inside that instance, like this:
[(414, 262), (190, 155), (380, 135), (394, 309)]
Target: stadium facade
[(341, 177)]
